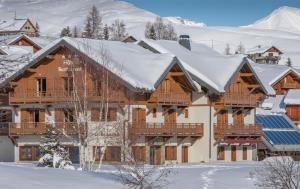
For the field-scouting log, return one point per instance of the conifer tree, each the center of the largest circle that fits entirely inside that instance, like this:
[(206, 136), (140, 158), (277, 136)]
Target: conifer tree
[(106, 32), (54, 155), (152, 34), (289, 62), (37, 26), (66, 32), (75, 32), (93, 26)]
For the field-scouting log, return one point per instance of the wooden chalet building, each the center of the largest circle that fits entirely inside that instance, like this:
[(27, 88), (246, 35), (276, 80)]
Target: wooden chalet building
[(18, 26), (182, 111), (264, 54)]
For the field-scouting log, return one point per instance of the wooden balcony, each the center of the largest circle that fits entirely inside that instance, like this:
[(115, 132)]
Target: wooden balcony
[(167, 129), (4, 129), (290, 85), (30, 128), (230, 130), (171, 98), (240, 100), (60, 96)]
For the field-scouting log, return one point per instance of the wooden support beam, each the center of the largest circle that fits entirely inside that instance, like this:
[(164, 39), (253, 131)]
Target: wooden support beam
[(177, 74), (218, 111), (246, 74), (50, 56), (31, 70), (13, 83), (253, 86)]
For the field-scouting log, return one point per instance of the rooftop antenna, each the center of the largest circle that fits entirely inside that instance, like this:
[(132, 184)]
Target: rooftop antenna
[(15, 15)]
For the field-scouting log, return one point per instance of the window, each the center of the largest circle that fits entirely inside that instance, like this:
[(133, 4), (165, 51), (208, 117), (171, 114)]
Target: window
[(68, 85), (186, 113), (69, 115), (112, 153), (171, 153), (154, 112), (41, 86), (111, 114), (29, 153), (270, 54), (95, 114), (139, 153)]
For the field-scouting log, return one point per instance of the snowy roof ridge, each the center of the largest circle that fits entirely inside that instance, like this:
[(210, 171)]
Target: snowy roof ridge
[(207, 67), (130, 62), (292, 97)]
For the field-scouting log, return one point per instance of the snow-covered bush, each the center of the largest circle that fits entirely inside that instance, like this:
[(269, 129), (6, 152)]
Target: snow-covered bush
[(54, 155)]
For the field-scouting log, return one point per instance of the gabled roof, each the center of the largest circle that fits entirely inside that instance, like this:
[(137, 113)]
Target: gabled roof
[(261, 49), (137, 67), (208, 68), (17, 39), (270, 74), (14, 24), (15, 49), (40, 41)]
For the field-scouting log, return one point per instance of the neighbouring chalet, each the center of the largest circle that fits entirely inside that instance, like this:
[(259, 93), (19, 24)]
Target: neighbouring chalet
[(231, 92), (186, 109), (18, 26), (264, 54), (292, 103), (279, 113)]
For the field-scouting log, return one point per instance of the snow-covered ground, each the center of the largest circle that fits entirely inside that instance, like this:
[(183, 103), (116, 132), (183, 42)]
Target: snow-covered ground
[(186, 176)]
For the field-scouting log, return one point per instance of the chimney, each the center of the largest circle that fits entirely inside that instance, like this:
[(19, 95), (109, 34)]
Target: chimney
[(184, 40)]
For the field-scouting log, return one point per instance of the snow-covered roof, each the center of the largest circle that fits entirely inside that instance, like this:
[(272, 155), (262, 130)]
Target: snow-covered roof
[(293, 97), (136, 66), (272, 105), (259, 49), (270, 74), (40, 41), (17, 58), (15, 49), (12, 25), (205, 64)]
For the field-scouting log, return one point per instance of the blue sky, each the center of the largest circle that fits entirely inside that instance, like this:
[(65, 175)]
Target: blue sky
[(215, 12)]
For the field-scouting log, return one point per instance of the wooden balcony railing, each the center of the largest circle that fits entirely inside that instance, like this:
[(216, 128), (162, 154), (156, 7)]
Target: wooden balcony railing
[(222, 131), (173, 98), (58, 95), (4, 129), (290, 85), (30, 128), (167, 129), (238, 100)]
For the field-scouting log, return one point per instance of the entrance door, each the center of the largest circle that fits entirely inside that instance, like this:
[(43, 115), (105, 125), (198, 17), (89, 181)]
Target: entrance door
[(233, 153), (185, 154), (245, 153), (155, 155), (221, 153)]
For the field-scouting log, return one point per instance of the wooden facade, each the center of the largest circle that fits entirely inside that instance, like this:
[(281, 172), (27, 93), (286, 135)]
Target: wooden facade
[(25, 41), (290, 80), (293, 112)]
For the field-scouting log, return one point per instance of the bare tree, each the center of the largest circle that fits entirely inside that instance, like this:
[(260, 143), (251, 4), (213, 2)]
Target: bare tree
[(278, 173), (75, 32), (93, 87), (227, 49), (136, 174), (240, 49), (159, 30), (118, 30)]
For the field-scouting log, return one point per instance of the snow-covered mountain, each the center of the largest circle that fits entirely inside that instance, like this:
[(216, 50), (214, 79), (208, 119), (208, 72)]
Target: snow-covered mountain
[(284, 18), (53, 15)]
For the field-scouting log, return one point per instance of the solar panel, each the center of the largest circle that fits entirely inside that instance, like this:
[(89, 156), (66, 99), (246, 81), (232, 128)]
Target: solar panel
[(273, 121), (283, 137)]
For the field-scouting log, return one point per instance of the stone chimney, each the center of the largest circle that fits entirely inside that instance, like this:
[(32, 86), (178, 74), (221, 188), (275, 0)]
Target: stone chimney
[(184, 40)]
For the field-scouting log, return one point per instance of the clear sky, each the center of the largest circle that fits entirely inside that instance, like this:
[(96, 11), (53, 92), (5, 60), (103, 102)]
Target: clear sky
[(215, 12)]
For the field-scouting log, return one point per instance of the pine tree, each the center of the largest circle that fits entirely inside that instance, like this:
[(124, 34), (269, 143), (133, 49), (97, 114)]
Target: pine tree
[(54, 155), (37, 26), (93, 26), (289, 62), (152, 34), (66, 32), (106, 32)]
